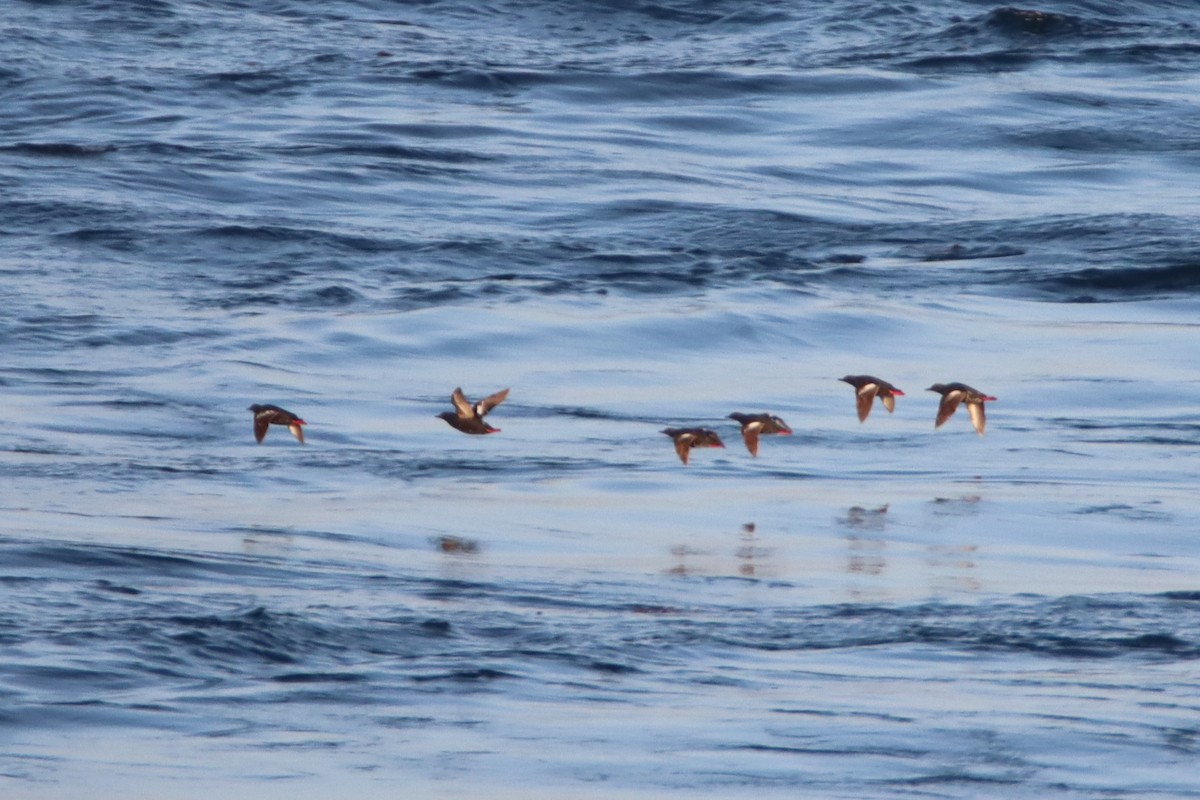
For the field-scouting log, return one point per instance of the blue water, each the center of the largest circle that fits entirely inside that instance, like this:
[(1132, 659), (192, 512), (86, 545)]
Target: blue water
[(637, 215)]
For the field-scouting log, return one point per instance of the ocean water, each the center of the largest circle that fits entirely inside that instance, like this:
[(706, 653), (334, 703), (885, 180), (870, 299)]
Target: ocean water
[(636, 215)]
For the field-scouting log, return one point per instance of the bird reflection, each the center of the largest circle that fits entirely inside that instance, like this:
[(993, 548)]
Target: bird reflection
[(865, 552), (455, 544), (680, 568), (956, 506), (750, 558), (748, 552), (869, 519), (266, 541), (953, 567)]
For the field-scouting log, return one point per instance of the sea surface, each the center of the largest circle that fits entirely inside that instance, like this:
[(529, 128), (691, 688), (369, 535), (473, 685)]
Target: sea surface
[(636, 214)]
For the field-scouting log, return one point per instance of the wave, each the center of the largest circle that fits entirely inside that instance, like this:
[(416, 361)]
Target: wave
[(1009, 38), (1090, 284), (516, 629), (59, 149)]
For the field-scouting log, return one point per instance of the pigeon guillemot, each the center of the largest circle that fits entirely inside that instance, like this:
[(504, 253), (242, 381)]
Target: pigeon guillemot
[(468, 417), (955, 393), (755, 425), (267, 415), (687, 438), (866, 388)]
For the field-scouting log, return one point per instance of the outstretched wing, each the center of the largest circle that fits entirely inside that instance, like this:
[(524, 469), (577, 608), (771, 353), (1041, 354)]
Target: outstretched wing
[(978, 418), (260, 426), (866, 396), (491, 401), (683, 446), (297, 431), (750, 433), (948, 406), (462, 406)]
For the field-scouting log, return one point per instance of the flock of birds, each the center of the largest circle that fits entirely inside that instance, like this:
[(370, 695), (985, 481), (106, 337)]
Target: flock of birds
[(468, 417)]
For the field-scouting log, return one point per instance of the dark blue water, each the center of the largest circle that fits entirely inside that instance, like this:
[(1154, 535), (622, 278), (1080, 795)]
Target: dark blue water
[(637, 215)]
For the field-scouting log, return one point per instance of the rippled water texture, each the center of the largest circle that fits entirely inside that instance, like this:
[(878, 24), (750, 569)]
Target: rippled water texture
[(636, 215)]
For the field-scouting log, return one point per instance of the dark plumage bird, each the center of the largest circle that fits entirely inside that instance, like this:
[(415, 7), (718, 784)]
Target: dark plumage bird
[(867, 388), (687, 438), (955, 393), (468, 417), (755, 425), (267, 415)]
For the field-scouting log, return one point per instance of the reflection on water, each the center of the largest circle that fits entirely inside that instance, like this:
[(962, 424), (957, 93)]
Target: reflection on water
[(865, 548), (750, 558), (947, 568), (681, 567), (460, 560), (455, 544), (952, 568), (865, 553), (968, 504), (748, 552), (865, 556), (859, 518), (262, 541)]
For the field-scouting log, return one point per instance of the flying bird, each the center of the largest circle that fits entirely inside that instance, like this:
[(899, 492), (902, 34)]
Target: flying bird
[(468, 417), (687, 438), (955, 393), (867, 388), (267, 415), (755, 425)]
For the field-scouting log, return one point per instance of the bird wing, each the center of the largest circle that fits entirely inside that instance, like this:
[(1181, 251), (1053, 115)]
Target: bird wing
[(462, 406), (297, 431), (683, 445), (750, 433), (889, 401), (491, 401), (978, 418), (260, 427), (866, 396), (948, 406)]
